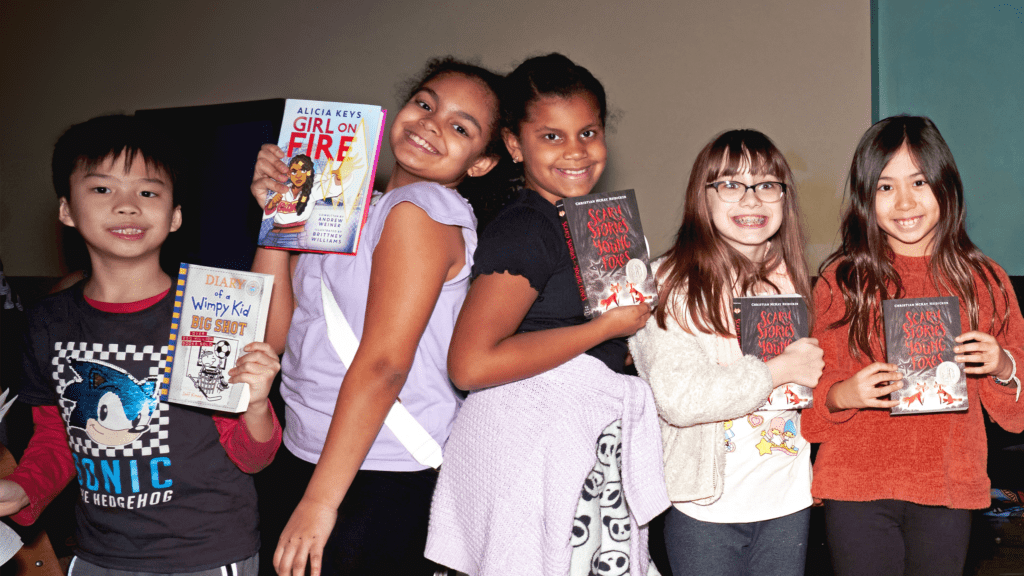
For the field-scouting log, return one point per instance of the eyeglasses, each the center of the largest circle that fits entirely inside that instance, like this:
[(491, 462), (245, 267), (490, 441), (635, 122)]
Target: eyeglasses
[(732, 191)]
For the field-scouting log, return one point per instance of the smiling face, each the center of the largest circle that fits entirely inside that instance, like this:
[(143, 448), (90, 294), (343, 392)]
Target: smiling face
[(905, 206), (561, 145), (111, 427), (442, 131), (122, 213), (749, 224)]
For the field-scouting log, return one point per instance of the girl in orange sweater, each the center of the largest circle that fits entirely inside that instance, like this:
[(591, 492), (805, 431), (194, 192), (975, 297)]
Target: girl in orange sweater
[(898, 490)]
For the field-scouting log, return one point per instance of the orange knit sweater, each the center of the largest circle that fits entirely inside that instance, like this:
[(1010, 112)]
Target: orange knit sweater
[(931, 459)]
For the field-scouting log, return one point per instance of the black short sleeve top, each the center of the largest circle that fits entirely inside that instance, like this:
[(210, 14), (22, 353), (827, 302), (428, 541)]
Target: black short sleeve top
[(525, 239)]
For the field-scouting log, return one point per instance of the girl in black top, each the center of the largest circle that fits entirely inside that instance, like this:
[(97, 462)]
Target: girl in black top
[(522, 316)]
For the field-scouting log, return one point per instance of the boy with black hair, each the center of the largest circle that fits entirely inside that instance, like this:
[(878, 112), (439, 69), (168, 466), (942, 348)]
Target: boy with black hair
[(164, 488)]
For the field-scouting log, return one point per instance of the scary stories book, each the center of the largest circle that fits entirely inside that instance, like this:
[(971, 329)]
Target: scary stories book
[(919, 338), (765, 325), (331, 151), (217, 312), (609, 251)]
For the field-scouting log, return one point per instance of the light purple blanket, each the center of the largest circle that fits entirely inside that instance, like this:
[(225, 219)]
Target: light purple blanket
[(515, 464)]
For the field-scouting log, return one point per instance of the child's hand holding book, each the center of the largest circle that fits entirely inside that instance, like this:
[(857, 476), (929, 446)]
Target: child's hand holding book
[(257, 368), (984, 354), (623, 321), (270, 174), (800, 363), (868, 388)]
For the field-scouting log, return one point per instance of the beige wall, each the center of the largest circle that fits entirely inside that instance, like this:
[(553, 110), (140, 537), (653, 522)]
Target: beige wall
[(679, 72)]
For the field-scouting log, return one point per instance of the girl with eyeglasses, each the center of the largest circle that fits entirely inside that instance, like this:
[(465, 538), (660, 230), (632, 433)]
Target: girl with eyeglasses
[(898, 490), (739, 478)]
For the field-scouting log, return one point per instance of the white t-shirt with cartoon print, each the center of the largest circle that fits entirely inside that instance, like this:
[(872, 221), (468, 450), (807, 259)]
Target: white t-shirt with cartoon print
[(767, 470)]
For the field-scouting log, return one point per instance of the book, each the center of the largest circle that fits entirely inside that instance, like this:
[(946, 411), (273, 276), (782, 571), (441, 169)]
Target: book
[(217, 312), (919, 338), (765, 325), (10, 543), (331, 151), (609, 252)]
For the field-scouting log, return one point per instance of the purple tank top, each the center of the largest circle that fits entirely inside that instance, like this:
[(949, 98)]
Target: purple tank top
[(312, 372)]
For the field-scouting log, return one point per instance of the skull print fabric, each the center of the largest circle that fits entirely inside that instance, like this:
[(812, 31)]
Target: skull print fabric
[(602, 527), (510, 498)]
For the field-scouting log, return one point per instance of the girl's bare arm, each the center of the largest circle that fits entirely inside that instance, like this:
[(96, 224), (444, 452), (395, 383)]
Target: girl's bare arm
[(487, 351), (270, 176), (414, 258)]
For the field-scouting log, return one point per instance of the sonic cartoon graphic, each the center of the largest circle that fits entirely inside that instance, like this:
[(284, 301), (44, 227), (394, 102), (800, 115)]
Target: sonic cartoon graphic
[(111, 406)]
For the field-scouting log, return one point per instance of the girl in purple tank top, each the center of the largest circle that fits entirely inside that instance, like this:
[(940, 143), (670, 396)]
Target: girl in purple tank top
[(345, 521)]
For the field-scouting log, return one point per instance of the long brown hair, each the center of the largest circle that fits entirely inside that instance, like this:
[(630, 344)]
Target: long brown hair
[(864, 261), (703, 268)]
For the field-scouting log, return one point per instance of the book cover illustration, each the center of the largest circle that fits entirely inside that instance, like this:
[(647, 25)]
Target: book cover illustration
[(217, 312), (331, 151), (919, 338), (765, 325), (609, 251)]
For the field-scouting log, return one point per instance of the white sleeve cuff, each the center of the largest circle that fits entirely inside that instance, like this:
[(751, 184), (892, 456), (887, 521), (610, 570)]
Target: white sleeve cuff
[(1013, 375)]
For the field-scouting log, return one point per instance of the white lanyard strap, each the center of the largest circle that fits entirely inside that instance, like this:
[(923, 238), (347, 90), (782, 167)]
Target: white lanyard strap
[(407, 429)]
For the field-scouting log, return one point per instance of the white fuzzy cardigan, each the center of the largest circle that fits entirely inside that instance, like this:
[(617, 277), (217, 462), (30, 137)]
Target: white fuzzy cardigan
[(694, 395)]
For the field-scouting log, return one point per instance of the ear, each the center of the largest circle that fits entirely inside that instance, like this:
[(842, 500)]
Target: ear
[(482, 166), (176, 219), (64, 213), (512, 145)]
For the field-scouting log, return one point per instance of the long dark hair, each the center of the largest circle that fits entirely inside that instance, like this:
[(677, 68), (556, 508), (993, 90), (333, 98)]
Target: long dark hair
[(864, 268), (704, 269), (307, 186)]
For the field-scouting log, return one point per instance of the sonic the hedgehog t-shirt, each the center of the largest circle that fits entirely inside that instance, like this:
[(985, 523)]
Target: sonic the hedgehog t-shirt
[(158, 491)]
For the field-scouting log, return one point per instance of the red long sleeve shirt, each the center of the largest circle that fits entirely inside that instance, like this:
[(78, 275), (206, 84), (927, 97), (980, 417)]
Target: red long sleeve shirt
[(930, 459)]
